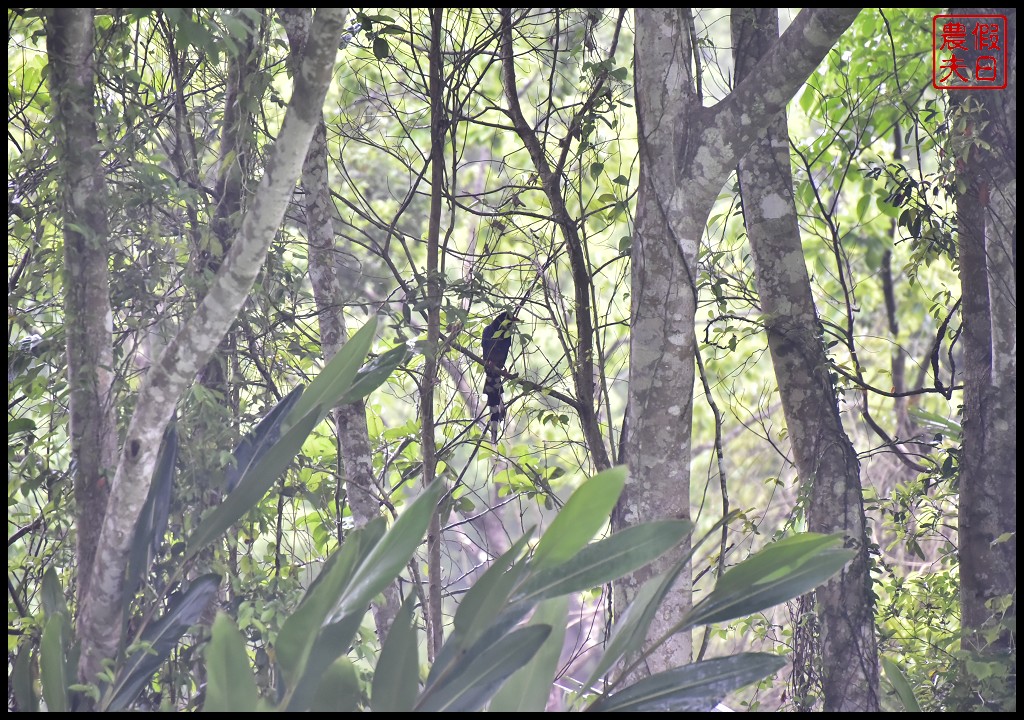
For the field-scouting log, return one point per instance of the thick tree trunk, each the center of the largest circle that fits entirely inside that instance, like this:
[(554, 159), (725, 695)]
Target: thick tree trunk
[(987, 221), (88, 319), (195, 343), (825, 458), (687, 152)]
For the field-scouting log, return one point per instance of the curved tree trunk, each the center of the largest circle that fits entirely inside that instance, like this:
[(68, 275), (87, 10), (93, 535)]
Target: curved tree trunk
[(825, 457), (687, 152)]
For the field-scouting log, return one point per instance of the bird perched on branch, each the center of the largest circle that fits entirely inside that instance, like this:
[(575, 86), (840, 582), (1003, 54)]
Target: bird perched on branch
[(496, 343)]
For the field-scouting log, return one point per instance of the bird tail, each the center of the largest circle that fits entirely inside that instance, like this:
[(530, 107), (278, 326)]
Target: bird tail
[(493, 389)]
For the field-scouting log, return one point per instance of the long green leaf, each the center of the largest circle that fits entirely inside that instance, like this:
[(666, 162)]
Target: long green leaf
[(53, 669), (484, 602), (692, 688), (333, 641), (630, 630), (253, 486), (336, 378), (582, 517), (373, 374), (53, 595), (388, 557), (259, 440), (481, 671), (339, 690), (770, 578), (397, 677), (25, 696), (160, 638), (530, 686), (299, 632), (230, 686), (605, 560), (904, 690)]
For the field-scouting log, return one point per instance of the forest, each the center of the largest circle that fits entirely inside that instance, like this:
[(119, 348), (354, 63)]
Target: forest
[(516, 359)]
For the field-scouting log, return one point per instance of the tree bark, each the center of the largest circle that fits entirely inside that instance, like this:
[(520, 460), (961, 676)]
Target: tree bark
[(196, 342), (987, 221), (687, 152), (355, 459), (88, 318), (825, 458)]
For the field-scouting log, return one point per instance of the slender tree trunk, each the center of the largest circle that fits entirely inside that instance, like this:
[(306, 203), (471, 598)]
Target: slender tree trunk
[(88, 319), (687, 152), (825, 457), (987, 221), (438, 126), (189, 351), (355, 459)]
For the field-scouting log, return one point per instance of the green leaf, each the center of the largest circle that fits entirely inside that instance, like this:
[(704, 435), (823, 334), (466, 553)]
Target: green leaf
[(230, 686), (388, 557), (777, 573), (21, 681), (583, 516), (529, 687), (333, 641), (339, 689), (374, 373), (605, 560), (596, 169), (692, 688), (481, 671), (299, 632), (53, 669), (630, 630), (254, 485), (380, 48), (159, 638), (902, 686), (53, 595), (336, 378), (397, 677), (482, 604)]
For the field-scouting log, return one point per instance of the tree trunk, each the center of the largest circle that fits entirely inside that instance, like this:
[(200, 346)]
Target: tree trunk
[(825, 457), (355, 460), (687, 152), (195, 343), (88, 318), (987, 220)]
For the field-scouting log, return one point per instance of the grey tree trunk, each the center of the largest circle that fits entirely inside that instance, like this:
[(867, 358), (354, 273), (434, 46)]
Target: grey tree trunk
[(825, 458), (987, 220), (196, 342), (355, 460), (687, 152), (88, 319)]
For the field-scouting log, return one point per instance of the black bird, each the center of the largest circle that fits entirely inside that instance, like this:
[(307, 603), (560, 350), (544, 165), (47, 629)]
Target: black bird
[(496, 343)]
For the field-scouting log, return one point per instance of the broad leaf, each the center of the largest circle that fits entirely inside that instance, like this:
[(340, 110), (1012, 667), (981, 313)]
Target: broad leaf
[(904, 690), (230, 686), (388, 557), (396, 680), (336, 379), (257, 481), (373, 374), (299, 632), (159, 638), (255, 444), (53, 667), (605, 560), (339, 689), (481, 670), (777, 573), (530, 686), (583, 516), (691, 688), (25, 696)]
